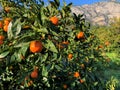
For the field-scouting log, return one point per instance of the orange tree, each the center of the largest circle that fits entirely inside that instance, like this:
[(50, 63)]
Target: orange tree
[(47, 47)]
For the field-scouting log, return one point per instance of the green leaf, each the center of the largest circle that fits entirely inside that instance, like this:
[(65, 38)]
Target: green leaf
[(44, 58), (54, 33), (57, 2), (4, 54), (50, 66), (50, 46), (14, 29), (10, 33), (44, 71), (42, 30), (58, 67), (26, 44)]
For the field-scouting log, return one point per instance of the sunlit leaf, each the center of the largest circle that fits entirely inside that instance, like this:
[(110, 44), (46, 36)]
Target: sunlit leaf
[(50, 46), (44, 71), (4, 54)]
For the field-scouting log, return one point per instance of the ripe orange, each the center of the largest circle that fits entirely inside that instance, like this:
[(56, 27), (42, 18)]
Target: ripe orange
[(1, 42), (82, 81), (76, 74), (54, 20), (1, 24), (30, 83), (65, 42), (80, 35), (65, 86), (100, 46), (36, 46), (107, 43), (7, 9), (7, 21), (2, 37), (34, 74), (70, 56), (5, 28)]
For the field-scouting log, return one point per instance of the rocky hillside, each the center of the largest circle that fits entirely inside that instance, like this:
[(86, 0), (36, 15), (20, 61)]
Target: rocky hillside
[(100, 13)]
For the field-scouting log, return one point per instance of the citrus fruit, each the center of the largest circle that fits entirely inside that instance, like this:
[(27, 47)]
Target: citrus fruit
[(76, 74), (34, 74), (80, 35), (54, 20), (36, 46)]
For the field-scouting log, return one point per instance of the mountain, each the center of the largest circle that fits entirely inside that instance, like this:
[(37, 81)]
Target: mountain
[(100, 13)]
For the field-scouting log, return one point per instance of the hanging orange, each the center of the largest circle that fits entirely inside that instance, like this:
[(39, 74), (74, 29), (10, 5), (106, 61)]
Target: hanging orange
[(7, 21), (65, 42), (100, 46), (7, 9), (34, 74), (1, 42), (30, 83), (65, 86), (107, 43), (2, 37), (1, 24), (82, 81), (5, 28), (76, 74), (36, 46), (70, 56), (80, 35), (54, 20)]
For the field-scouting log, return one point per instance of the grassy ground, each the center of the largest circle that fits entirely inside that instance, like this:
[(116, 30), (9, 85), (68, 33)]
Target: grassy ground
[(112, 72)]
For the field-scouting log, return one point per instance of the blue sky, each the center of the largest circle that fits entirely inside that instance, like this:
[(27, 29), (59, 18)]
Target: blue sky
[(79, 2)]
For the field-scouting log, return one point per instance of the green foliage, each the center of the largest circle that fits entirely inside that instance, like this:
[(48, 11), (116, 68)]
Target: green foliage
[(54, 67), (111, 34), (111, 85)]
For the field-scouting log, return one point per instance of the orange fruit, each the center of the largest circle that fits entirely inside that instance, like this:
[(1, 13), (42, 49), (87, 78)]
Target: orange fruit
[(65, 86), (5, 28), (80, 35), (82, 81), (34, 74), (100, 46), (30, 83), (1, 42), (2, 37), (7, 9), (65, 42), (107, 43), (70, 56), (1, 24), (7, 21), (54, 20), (76, 74), (36, 46)]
